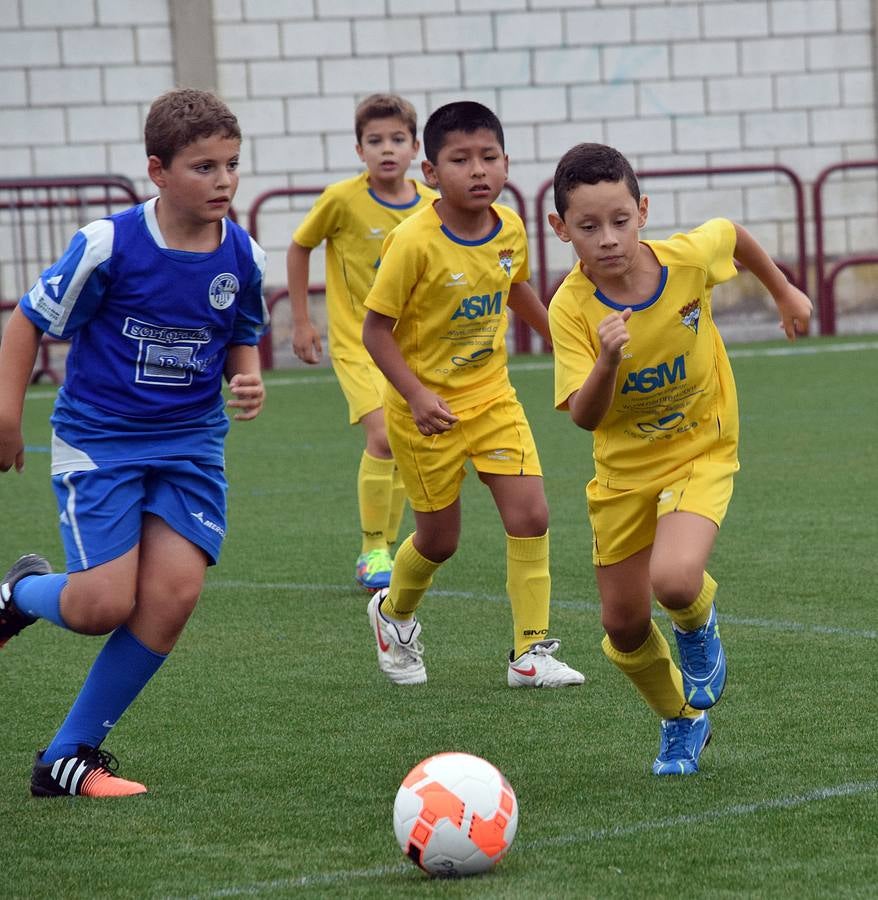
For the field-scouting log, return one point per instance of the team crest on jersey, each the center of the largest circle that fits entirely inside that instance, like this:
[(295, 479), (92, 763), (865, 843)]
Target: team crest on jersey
[(506, 261), (223, 290), (690, 314)]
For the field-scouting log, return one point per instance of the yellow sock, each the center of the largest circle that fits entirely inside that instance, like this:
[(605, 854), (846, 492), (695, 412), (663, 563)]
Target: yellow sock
[(654, 674), (374, 489), (397, 508), (695, 615), (528, 584), (412, 575)]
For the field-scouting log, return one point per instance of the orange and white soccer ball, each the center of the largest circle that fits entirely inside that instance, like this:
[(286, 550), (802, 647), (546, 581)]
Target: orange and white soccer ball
[(455, 814)]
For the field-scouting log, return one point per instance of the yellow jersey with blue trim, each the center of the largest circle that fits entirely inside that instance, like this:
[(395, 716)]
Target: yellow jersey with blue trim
[(354, 222), (674, 396), (448, 296)]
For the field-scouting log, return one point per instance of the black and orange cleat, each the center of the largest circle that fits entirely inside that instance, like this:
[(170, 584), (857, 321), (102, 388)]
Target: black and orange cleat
[(90, 773), (12, 620)]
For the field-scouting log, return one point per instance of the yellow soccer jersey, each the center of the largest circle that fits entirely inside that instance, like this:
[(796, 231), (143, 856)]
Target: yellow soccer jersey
[(449, 298), (353, 222), (675, 395)]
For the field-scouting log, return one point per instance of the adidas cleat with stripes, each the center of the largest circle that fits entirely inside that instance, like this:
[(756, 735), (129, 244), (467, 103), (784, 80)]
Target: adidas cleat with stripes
[(90, 773), (702, 663), (12, 620)]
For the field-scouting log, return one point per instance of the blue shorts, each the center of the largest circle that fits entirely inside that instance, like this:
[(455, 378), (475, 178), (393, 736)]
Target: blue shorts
[(101, 508)]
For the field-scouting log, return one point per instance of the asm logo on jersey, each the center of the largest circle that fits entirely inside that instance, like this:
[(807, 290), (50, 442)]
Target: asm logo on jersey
[(506, 261), (690, 314), (647, 380), (478, 306)]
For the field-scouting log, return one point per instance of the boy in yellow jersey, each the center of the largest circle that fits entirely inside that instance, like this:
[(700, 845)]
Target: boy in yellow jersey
[(436, 326), (353, 217), (639, 361)]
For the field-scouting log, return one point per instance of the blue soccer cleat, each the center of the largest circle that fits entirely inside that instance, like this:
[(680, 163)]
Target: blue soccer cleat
[(681, 744), (373, 570), (702, 663)]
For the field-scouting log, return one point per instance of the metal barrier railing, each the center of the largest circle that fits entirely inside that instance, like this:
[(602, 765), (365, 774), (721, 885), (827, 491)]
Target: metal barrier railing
[(797, 273), (38, 217), (521, 333), (825, 288)]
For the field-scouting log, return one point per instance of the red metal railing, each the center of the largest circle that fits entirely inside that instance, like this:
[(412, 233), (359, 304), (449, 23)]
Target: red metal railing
[(797, 274), (825, 288), (522, 332), (40, 216)]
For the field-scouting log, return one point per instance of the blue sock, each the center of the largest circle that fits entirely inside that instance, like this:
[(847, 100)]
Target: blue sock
[(39, 596), (117, 676)]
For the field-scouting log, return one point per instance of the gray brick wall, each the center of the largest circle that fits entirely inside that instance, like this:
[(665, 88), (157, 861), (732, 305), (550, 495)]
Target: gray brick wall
[(670, 82)]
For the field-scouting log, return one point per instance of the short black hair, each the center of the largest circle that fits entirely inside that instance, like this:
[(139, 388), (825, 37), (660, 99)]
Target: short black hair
[(462, 115), (591, 164)]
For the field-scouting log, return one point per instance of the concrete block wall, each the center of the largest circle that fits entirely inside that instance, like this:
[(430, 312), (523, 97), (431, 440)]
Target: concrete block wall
[(670, 82)]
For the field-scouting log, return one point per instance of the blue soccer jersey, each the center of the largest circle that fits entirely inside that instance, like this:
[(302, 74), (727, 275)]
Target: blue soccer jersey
[(149, 326)]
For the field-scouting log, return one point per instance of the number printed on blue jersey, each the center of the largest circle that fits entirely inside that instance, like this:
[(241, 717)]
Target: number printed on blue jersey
[(150, 327)]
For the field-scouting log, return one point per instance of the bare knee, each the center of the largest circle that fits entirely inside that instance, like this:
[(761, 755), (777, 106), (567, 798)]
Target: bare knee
[(626, 632), (676, 586), (95, 609), (437, 547)]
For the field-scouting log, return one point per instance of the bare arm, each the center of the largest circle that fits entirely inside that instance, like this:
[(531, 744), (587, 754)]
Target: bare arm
[(524, 302), (429, 410), (794, 306), (592, 401), (244, 375), (18, 353), (306, 339)]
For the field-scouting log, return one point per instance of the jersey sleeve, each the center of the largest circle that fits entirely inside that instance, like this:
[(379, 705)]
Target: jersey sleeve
[(713, 243), (69, 292), (252, 320), (574, 352), (400, 269), (323, 220)]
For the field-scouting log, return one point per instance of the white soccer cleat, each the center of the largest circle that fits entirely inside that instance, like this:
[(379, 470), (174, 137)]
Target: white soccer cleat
[(401, 660), (537, 667)]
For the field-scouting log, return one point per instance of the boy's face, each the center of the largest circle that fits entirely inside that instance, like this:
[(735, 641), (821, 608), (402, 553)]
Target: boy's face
[(200, 183), (603, 223), (470, 169), (387, 148)]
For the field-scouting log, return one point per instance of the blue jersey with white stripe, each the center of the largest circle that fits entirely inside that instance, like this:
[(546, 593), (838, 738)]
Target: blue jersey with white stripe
[(150, 327)]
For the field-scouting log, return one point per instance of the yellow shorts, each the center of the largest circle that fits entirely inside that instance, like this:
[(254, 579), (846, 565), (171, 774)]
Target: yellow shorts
[(624, 521), (362, 383), (495, 436)]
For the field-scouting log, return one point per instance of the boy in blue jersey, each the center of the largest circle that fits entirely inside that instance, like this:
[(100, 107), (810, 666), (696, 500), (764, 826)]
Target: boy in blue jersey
[(436, 326), (160, 302), (639, 361)]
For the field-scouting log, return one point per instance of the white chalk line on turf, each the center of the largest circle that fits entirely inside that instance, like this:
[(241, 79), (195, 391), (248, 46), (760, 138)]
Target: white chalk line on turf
[(326, 376), (817, 795), (557, 603)]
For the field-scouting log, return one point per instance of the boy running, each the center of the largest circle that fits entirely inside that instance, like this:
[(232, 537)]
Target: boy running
[(436, 327), (639, 361), (160, 302), (354, 217)]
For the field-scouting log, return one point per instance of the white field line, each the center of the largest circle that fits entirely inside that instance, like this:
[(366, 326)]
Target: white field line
[(576, 838), (326, 376), (557, 603)]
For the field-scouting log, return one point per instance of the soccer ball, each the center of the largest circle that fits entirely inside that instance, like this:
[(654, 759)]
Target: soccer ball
[(455, 815)]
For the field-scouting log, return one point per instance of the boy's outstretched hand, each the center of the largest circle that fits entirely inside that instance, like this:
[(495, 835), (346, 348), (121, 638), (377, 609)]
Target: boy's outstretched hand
[(795, 310), (249, 394)]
